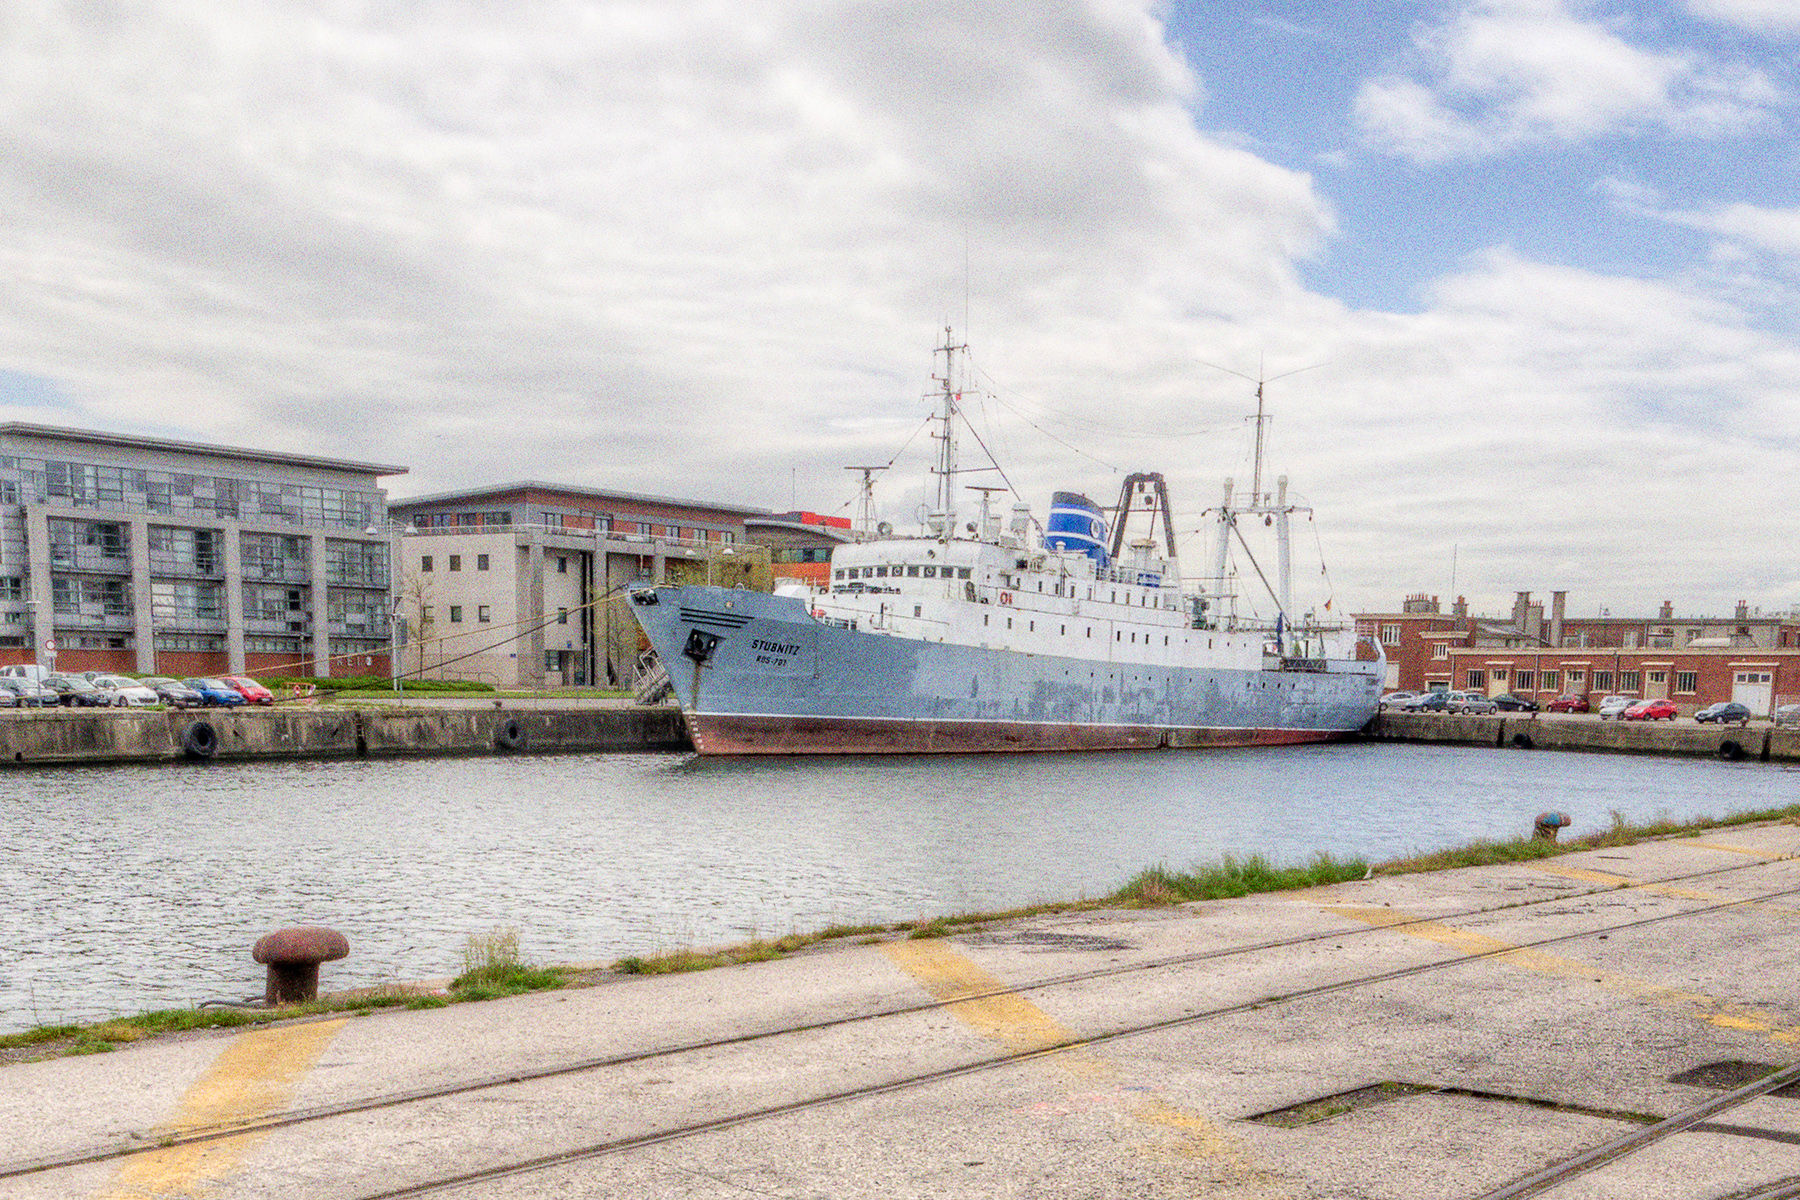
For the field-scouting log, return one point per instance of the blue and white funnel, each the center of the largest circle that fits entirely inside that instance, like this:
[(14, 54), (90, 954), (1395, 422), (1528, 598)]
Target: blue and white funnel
[(1076, 524)]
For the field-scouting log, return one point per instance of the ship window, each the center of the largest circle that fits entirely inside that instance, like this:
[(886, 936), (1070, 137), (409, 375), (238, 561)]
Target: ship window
[(915, 610), (962, 573), (1031, 627), (912, 570), (895, 570), (984, 618), (1040, 585), (840, 573), (931, 572), (881, 572), (1009, 622)]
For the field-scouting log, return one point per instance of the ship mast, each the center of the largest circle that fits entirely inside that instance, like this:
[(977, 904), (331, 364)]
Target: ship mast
[(942, 520), (865, 499)]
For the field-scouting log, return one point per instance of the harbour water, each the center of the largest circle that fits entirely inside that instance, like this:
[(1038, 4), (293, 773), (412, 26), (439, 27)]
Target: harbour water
[(135, 888)]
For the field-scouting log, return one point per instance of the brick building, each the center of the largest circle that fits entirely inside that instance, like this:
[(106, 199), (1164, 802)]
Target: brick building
[(800, 544), (1695, 661)]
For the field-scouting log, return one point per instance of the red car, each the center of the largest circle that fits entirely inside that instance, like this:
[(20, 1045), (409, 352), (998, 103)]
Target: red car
[(1650, 710), (1567, 704), (252, 691)]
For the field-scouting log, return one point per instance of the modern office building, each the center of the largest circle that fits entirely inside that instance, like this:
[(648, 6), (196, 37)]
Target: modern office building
[(800, 544), (523, 585), (140, 554)]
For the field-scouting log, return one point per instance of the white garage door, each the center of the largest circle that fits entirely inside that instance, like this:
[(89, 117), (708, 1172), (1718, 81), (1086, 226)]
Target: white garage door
[(1754, 690)]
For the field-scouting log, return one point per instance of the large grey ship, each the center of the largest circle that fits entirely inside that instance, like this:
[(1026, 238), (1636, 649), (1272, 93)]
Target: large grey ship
[(1002, 635)]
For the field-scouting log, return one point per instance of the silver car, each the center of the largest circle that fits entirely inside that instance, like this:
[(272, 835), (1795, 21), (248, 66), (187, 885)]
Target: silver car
[(126, 693), (1471, 702)]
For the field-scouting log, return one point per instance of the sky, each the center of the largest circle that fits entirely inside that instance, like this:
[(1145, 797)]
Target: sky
[(1519, 275)]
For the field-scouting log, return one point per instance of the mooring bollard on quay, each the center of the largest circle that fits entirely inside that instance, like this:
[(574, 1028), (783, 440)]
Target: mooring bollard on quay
[(1548, 825), (293, 956)]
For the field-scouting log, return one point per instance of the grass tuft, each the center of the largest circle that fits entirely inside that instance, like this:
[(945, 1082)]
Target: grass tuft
[(1231, 877), (492, 969)]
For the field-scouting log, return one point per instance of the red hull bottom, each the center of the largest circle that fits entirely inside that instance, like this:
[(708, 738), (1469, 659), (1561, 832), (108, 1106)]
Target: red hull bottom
[(714, 733)]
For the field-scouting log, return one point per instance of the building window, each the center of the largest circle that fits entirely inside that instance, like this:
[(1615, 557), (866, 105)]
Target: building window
[(456, 614), (481, 562), (456, 562), (425, 611), (1629, 681), (1390, 635), (1552, 680), (562, 616), (482, 614), (562, 565), (12, 587), (1477, 679), (1576, 678), (1686, 682), (1524, 680), (1659, 677), (1440, 651), (425, 562), (1603, 681)]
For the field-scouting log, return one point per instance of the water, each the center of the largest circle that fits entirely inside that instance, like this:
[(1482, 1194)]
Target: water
[(134, 888)]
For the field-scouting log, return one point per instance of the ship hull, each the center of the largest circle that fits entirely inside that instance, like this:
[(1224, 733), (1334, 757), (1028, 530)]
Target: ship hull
[(757, 674)]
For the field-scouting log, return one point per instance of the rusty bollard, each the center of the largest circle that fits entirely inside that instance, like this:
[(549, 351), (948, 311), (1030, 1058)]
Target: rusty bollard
[(293, 956), (1548, 825)]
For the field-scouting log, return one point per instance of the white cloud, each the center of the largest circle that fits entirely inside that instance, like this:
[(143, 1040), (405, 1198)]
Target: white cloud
[(1762, 16), (1502, 73)]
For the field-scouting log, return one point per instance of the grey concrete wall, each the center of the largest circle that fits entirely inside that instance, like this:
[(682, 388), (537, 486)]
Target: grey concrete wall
[(1756, 741), (98, 737)]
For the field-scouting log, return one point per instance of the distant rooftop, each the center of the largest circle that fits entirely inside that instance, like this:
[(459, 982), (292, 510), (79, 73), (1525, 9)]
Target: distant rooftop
[(128, 441), (523, 485)]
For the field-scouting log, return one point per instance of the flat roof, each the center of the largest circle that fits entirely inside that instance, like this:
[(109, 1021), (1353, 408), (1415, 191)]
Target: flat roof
[(500, 489), (95, 437)]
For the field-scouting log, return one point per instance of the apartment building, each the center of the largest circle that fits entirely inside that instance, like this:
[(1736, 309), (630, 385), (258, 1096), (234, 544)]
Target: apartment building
[(155, 556), (524, 585)]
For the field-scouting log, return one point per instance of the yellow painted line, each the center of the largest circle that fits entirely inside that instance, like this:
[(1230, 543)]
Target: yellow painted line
[(1762, 854), (253, 1078), (1699, 1005), (985, 1004), (1608, 879)]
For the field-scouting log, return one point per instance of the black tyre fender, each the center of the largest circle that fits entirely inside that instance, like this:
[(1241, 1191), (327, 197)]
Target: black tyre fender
[(1522, 741), (199, 740), (1730, 751), (509, 734)]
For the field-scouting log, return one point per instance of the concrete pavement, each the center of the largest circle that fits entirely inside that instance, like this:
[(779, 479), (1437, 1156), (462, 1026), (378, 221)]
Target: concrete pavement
[(1407, 1037)]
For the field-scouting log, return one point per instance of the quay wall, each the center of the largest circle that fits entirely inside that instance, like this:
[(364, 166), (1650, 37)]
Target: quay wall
[(118, 736), (1758, 741)]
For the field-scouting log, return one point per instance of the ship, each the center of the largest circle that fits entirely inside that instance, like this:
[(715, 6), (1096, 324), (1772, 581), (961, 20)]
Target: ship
[(988, 632)]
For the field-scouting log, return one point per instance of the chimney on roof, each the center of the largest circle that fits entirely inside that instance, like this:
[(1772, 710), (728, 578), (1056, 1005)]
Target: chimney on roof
[(1558, 603), (1743, 610), (1460, 608), (1521, 614), (1668, 611)]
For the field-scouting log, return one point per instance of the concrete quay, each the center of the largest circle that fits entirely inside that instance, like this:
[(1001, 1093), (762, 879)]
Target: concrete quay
[(296, 731), (1580, 731), (1466, 1035)]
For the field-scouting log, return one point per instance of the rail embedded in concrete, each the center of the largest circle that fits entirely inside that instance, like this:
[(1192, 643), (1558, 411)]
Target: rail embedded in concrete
[(198, 735), (1757, 741)]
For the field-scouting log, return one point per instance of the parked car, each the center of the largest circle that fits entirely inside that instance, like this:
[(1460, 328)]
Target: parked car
[(1513, 702), (126, 693), (1726, 712), (1396, 699), (1788, 714), (252, 691), (1568, 704), (1470, 702), (28, 693), (1427, 702), (25, 671), (73, 691), (1612, 706), (215, 693), (1650, 710), (173, 692)]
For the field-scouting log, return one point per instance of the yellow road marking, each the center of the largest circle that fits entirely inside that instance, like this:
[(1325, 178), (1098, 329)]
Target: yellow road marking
[(1703, 1007), (982, 1002), (1608, 879), (254, 1077), (1762, 854)]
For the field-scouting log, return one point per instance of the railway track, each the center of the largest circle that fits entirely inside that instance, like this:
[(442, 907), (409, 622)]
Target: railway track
[(1534, 1185)]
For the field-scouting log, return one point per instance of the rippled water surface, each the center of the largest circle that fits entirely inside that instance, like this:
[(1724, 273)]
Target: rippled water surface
[(144, 887)]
